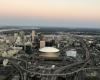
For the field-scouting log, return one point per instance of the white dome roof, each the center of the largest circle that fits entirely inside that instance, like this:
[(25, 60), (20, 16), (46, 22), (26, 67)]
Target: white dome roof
[(49, 49)]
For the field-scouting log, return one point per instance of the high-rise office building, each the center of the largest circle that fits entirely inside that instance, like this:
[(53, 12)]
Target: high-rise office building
[(42, 43), (33, 35)]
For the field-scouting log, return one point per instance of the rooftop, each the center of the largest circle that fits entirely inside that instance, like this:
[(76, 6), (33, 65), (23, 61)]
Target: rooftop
[(49, 49)]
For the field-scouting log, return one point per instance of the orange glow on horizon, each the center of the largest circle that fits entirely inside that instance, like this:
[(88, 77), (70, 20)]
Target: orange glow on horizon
[(32, 8)]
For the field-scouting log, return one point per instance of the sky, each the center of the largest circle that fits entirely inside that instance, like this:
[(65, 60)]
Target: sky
[(50, 13)]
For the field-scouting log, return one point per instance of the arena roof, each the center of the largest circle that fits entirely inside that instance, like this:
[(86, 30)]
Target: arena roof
[(49, 49)]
